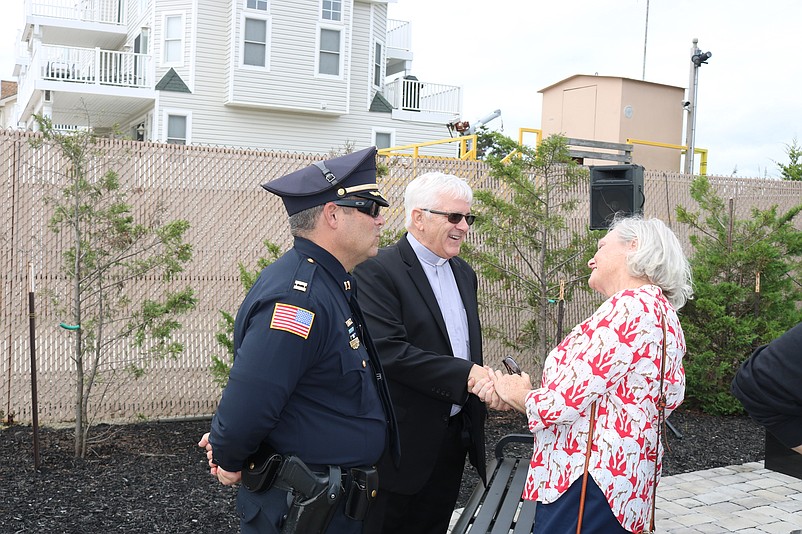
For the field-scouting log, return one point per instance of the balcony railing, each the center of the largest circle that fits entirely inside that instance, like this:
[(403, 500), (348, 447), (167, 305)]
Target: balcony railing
[(414, 95), (399, 34), (106, 11), (94, 66)]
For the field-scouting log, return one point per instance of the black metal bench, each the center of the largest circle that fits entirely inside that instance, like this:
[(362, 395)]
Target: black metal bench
[(499, 508)]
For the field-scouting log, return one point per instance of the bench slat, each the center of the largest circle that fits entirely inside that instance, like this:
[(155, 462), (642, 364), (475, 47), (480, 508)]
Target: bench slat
[(494, 495), (526, 518), (510, 505), (500, 505)]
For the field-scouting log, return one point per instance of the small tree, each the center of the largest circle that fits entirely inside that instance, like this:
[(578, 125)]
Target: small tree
[(792, 171), (221, 365), (527, 245), (107, 253), (746, 291)]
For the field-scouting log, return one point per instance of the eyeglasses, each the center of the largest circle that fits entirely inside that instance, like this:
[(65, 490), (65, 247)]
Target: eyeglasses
[(453, 218), (366, 206)]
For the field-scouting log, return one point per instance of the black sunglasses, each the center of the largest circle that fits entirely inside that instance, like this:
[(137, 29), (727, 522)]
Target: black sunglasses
[(453, 218), (366, 206)]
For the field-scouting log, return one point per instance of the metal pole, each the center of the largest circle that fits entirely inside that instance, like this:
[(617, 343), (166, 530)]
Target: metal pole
[(34, 394), (645, 35), (691, 107)]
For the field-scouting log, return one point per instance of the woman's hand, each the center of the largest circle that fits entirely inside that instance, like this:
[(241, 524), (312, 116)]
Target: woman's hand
[(512, 389)]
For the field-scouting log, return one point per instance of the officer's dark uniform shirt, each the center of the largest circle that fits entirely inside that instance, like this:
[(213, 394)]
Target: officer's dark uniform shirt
[(302, 378), (769, 385)]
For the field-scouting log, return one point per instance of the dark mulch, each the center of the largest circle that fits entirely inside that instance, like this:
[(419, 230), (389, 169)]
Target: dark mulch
[(152, 478)]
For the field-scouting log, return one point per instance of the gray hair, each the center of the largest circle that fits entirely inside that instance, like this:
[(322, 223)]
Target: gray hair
[(658, 256), (426, 190), (305, 221)]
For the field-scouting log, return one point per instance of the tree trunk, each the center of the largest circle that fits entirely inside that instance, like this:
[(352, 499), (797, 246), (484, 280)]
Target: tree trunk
[(80, 448)]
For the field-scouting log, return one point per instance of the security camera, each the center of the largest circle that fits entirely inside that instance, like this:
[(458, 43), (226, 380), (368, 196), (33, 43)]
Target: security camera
[(701, 57), (686, 104)]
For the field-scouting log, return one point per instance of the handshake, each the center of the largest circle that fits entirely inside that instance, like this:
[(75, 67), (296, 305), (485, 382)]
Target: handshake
[(501, 391)]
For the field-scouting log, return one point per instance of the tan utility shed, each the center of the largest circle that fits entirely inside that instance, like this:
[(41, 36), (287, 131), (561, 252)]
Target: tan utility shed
[(613, 109)]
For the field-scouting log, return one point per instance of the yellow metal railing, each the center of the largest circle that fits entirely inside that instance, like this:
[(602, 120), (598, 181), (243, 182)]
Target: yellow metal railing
[(521, 132), (682, 148), (467, 148), (468, 143)]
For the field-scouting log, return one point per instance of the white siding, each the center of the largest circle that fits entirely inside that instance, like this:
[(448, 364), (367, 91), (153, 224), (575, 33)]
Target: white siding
[(280, 107), (213, 66), (216, 122), (291, 82), (378, 27), (187, 8)]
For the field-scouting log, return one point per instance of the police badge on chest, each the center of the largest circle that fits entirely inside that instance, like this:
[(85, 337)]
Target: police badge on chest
[(353, 338)]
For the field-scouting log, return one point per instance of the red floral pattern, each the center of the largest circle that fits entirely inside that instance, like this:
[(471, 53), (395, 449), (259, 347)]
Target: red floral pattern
[(612, 358)]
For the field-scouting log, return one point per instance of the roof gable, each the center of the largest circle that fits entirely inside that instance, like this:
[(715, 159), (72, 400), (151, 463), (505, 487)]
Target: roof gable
[(171, 81), (380, 104)]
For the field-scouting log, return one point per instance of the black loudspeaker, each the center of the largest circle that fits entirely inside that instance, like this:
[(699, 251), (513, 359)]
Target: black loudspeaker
[(614, 189)]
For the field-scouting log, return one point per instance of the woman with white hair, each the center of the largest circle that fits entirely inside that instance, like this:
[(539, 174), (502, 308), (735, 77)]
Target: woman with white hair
[(597, 413)]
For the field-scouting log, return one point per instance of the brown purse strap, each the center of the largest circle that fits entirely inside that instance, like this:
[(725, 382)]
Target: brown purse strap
[(661, 405), (585, 471)]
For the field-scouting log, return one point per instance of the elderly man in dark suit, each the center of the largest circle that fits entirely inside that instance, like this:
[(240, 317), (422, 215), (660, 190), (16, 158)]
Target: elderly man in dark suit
[(419, 301)]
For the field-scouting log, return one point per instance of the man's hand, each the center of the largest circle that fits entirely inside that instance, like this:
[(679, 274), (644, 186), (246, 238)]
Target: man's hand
[(481, 385), (226, 478)]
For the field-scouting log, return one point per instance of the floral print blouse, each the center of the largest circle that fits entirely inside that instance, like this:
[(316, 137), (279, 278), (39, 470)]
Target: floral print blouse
[(613, 359)]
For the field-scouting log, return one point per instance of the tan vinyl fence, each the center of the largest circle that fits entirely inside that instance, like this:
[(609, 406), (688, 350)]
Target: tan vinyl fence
[(217, 191)]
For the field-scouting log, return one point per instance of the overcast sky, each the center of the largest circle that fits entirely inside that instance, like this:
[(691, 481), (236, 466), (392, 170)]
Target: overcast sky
[(503, 52)]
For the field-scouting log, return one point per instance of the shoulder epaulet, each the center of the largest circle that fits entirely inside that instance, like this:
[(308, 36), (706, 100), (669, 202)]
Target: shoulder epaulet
[(304, 275)]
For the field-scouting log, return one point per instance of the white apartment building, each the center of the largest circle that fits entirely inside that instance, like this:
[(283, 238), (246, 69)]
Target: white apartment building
[(311, 76)]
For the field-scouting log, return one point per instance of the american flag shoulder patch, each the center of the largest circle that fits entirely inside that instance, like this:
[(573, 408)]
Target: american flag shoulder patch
[(292, 319)]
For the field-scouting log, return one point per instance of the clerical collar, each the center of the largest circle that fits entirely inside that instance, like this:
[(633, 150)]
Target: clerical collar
[(423, 253)]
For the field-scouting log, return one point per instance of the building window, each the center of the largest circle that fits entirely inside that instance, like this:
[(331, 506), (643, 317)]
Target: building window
[(254, 47), (377, 65), (329, 58), (332, 10), (173, 39), (261, 5), (177, 129), (383, 139)]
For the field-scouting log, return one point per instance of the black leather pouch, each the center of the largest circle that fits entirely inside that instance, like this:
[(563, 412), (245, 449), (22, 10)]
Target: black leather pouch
[(360, 491), (261, 469)]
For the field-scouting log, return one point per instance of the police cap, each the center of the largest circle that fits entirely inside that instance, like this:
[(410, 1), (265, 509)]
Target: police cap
[(352, 175)]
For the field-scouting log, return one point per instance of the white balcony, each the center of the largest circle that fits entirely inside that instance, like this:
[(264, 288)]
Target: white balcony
[(105, 11), (419, 100), (76, 22), (399, 46), (85, 86), (94, 66)]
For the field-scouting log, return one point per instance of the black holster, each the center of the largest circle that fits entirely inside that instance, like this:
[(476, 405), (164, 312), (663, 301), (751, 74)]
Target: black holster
[(312, 507), (314, 496)]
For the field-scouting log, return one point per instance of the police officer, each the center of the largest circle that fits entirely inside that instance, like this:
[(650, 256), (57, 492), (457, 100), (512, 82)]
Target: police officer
[(306, 381)]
